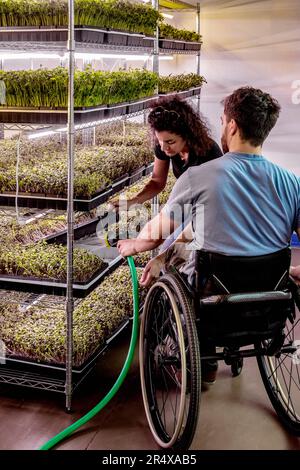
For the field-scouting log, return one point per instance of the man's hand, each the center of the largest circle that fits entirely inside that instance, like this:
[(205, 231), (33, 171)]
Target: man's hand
[(295, 273), (127, 247), (151, 271)]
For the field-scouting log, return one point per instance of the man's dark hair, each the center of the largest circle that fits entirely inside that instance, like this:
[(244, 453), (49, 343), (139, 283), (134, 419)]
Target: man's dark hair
[(175, 115), (254, 112)]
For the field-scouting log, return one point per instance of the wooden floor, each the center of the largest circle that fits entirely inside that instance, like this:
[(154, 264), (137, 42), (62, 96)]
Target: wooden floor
[(235, 413)]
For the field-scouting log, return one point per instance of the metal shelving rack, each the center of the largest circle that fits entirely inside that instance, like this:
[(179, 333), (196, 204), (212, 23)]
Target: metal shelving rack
[(65, 383)]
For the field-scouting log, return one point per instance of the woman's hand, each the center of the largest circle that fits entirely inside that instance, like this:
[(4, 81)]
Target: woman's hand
[(122, 205), (151, 271)]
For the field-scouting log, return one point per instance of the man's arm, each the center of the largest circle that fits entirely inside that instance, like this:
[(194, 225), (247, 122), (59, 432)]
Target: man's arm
[(164, 224), (155, 265), (151, 236)]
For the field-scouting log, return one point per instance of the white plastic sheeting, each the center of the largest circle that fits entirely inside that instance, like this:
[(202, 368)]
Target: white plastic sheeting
[(255, 43)]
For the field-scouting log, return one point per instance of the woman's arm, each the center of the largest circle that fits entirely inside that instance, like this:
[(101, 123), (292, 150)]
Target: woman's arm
[(151, 189)]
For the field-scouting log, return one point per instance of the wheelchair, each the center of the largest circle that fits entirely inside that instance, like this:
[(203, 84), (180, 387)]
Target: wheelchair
[(243, 307)]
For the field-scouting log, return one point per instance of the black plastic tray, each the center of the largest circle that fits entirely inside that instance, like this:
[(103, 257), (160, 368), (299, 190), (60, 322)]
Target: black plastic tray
[(90, 35), (135, 106), (171, 45), (148, 42), (34, 34), (11, 115), (179, 46), (18, 362), (60, 203), (137, 175), (197, 91), (46, 202), (89, 227), (59, 116), (83, 34), (80, 230), (137, 40), (186, 93), (192, 46), (80, 290)]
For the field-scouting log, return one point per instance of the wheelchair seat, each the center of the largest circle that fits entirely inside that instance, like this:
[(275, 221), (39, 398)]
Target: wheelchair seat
[(242, 300)]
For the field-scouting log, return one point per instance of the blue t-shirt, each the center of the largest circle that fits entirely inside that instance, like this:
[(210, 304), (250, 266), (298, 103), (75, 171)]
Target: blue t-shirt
[(241, 205)]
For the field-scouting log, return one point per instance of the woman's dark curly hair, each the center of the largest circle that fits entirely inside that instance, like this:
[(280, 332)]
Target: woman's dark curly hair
[(172, 114)]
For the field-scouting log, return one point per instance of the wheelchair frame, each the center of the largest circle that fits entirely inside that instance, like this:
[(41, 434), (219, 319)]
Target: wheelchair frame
[(170, 361)]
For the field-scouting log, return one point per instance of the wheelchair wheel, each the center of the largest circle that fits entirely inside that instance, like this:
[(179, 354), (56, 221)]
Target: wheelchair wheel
[(281, 377), (236, 367), (170, 364)]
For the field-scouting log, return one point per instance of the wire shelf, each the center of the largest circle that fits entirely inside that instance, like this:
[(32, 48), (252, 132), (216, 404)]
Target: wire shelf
[(80, 290), (84, 117), (26, 119), (60, 203), (51, 377), (51, 39)]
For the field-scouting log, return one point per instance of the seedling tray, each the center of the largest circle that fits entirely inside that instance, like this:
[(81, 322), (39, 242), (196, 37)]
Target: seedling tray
[(53, 116), (60, 203), (34, 34), (80, 230), (59, 116), (80, 289), (186, 93), (83, 35), (175, 45), (171, 45), (90, 35), (192, 46), (50, 376), (17, 366)]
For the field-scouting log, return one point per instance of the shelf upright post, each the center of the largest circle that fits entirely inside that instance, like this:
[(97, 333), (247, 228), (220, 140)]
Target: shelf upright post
[(155, 4), (198, 53), (70, 211), (1, 125)]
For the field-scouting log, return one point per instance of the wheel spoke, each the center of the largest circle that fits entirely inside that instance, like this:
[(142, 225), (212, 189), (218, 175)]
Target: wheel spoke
[(168, 325), (281, 378)]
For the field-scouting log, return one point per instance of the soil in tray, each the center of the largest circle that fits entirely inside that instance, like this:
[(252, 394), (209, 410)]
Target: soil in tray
[(60, 281)]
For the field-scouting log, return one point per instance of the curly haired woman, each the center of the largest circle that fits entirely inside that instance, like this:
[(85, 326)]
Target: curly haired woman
[(180, 136)]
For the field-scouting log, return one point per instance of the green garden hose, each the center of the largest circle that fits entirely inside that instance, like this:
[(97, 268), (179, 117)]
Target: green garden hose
[(69, 430)]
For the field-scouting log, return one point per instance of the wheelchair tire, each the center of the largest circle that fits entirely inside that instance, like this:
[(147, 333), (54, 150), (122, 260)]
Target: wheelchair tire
[(237, 367), (281, 378), (170, 364)]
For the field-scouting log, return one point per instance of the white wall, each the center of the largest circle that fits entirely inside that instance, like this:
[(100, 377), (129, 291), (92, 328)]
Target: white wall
[(254, 43)]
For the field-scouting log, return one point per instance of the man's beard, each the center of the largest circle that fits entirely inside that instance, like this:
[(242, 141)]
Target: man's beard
[(225, 147)]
